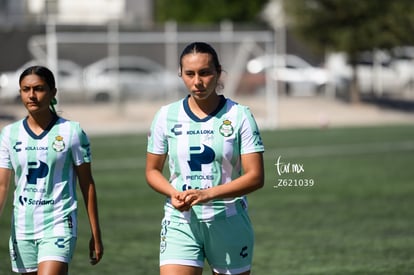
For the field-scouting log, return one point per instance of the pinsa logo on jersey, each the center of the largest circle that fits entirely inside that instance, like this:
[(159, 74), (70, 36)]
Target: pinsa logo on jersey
[(226, 129), (58, 144)]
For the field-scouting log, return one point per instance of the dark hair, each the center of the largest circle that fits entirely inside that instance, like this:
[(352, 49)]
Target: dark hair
[(42, 72), (47, 76), (201, 47)]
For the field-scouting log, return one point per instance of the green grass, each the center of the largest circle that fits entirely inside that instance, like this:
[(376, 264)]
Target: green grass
[(357, 218)]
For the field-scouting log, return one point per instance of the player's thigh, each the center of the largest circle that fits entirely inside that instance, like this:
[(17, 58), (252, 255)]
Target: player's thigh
[(171, 269), (56, 249), (23, 254), (229, 248), (53, 267), (244, 273), (180, 245)]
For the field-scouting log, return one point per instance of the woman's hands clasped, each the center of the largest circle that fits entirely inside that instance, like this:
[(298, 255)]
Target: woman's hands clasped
[(183, 201)]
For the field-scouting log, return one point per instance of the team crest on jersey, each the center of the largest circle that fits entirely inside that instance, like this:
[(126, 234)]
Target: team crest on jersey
[(226, 129), (58, 145)]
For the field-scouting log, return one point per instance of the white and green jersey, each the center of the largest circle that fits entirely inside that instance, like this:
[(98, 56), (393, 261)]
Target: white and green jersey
[(203, 153), (45, 202)]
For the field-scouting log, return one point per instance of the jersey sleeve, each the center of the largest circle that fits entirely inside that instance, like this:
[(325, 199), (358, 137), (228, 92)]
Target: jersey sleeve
[(81, 151), (251, 140), (157, 139), (5, 161)]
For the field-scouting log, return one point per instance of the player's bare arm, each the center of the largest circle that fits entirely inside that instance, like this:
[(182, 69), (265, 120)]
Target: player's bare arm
[(5, 175), (87, 186), (159, 183)]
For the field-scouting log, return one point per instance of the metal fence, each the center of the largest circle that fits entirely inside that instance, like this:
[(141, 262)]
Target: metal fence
[(234, 48)]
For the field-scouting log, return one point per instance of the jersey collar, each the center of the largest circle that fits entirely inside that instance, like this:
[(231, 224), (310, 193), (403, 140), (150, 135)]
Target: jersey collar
[(212, 114), (32, 134)]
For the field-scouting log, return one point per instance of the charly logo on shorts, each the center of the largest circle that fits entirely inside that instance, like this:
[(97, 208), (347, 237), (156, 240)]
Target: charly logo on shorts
[(60, 243), (226, 129), (58, 144)]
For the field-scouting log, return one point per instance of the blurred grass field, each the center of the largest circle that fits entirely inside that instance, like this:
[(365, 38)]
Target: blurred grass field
[(357, 218)]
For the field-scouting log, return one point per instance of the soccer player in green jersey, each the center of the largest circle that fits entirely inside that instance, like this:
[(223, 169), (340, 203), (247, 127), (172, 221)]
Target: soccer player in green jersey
[(215, 156), (46, 155)]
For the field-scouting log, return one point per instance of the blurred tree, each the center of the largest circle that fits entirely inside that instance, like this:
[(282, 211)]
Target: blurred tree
[(352, 26), (208, 11)]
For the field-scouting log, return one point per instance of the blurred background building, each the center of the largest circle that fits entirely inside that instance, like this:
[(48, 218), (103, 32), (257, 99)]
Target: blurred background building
[(76, 12), (21, 19)]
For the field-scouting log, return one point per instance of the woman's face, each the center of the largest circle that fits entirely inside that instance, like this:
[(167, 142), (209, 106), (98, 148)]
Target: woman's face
[(199, 75), (36, 95)]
